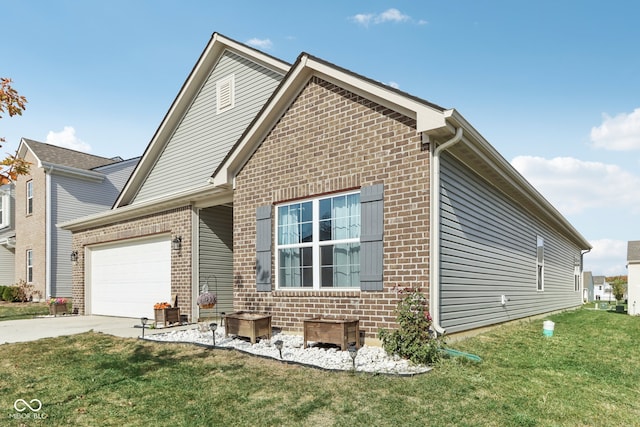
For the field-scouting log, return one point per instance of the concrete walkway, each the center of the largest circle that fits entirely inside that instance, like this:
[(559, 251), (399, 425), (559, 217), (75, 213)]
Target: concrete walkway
[(12, 331)]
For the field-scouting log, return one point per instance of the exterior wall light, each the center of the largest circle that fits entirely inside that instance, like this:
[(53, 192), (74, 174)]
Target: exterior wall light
[(176, 243), (74, 257)]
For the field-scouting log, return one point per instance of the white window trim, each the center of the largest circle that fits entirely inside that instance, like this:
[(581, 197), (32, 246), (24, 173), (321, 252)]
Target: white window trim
[(29, 189), (225, 84), (315, 244), (29, 263)]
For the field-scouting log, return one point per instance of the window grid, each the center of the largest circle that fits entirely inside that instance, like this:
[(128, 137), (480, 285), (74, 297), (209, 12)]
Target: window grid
[(29, 197), (29, 266), (318, 243)]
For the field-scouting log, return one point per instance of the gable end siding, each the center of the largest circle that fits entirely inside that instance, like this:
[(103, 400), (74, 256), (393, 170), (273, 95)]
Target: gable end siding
[(203, 137), (488, 249)]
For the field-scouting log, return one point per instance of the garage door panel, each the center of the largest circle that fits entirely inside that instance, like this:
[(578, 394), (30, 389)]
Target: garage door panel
[(127, 278)]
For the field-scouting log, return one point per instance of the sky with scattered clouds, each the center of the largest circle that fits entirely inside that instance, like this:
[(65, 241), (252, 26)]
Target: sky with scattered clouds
[(553, 86)]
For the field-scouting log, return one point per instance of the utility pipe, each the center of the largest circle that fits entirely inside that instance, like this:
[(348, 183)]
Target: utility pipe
[(434, 282)]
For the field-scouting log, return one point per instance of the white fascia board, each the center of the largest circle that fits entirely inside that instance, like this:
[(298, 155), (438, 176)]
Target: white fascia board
[(55, 169)]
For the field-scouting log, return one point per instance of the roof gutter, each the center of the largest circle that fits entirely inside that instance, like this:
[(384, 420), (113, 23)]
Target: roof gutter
[(434, 282)]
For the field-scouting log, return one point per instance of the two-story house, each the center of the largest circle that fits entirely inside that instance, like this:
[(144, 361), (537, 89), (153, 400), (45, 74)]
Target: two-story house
[(62, 184), (602, 289)]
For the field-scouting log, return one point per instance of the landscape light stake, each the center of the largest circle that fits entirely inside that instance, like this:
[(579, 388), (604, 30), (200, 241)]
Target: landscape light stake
[(213, 327), (279, 344), (353, 352), (144, 321)]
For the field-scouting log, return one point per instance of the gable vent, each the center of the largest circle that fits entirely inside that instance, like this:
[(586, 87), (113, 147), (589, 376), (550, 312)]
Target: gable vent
[(225, 94)]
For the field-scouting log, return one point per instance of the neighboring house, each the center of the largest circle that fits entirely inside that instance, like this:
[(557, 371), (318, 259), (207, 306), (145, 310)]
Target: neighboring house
[(62, 184), (587, 283), (633, 277), (341, 193), (602, 290), (7, 234)]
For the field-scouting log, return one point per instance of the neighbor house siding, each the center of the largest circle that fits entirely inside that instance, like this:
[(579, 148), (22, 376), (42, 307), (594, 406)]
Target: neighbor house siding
[(488, 249), (204, 137), (7, 261), (73, 197), (7, 255), (215, 257), (331, 140)]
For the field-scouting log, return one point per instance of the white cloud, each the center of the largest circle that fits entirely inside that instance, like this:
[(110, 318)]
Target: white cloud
[(389, 15), (67, 139), (394, 85), (574, 186), (607, 258), (260, 43), (619, 133)]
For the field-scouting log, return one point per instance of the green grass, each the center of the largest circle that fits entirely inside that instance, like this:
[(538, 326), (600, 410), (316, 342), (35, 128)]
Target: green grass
[(586, 374), (22, 310)]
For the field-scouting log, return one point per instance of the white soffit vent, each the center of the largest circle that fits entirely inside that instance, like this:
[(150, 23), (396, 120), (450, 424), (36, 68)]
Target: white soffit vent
[(225, 94)]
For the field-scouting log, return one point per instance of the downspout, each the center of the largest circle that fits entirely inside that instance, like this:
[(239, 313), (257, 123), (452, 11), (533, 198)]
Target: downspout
[(47, 234), (582, 254), (434, 283)]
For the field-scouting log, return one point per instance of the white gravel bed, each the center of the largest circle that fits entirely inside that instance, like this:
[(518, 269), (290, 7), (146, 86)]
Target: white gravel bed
[(369, 359)]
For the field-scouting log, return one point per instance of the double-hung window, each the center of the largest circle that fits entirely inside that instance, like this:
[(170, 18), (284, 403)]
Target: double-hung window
[(318, 243), (540, 264), (29, 261), (29, 197)]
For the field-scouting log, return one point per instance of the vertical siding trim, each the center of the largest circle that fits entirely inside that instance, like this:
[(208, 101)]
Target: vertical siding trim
[(371, 237), (263, 248)]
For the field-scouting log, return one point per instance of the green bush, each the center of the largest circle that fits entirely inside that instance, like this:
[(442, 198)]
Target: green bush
[(414, 339), (10, 293), (2, 288)]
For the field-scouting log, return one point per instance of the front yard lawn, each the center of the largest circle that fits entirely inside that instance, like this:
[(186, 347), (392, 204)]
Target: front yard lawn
[(586, 374), (22, 310)]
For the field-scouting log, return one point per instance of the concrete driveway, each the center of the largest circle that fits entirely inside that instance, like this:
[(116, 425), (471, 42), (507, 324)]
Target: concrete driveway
[(42, 327)]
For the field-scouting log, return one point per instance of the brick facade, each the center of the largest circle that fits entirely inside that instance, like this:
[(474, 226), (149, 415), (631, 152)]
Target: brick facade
[(332, 140), (176, 222), (31, 233)]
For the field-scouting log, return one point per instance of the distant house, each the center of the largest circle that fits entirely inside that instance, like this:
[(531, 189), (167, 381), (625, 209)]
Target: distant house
[(633, 277), (62, 184), (602, 290), (328, 194), (587, 284), (7, 234)]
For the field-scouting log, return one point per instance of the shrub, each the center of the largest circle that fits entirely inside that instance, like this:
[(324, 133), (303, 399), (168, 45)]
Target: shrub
[(2, 288), (23, 291), (10, 293), (414, 339)]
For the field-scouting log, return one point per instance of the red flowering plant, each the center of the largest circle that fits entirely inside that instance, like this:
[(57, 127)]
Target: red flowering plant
[(57, 301), (414, 339)]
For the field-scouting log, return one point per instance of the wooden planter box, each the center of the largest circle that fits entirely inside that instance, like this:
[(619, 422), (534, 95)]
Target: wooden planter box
[(56, 309), (167, 315), (340, 332), (247, 324)]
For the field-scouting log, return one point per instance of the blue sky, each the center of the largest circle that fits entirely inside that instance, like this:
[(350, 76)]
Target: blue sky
[(552, 85)]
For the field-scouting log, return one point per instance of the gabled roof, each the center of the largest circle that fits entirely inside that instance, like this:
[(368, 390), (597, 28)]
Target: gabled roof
[(633, 251), (48, 154), (434, 122), (212, 53), (599, 280)]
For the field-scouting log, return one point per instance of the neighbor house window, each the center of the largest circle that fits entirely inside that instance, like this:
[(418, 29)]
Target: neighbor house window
[(29, 266), (4, 210), (29, 197), (225, 94), (318, 243), (540, 264), (576, 275)]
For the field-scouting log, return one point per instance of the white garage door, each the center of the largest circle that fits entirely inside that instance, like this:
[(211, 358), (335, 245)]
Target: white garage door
[(128, 278)]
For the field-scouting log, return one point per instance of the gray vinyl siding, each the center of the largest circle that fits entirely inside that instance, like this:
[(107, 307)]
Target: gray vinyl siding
[(7, 266), (7, 255), (216, 257), (488, 249), (73, 197), (203, 138)]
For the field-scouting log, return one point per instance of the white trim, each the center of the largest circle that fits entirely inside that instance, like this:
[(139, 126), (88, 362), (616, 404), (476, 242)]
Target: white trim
[(47, 235)]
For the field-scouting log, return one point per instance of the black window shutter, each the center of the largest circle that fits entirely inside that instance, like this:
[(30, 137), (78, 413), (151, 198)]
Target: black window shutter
[(263, 248), (371, 250)]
